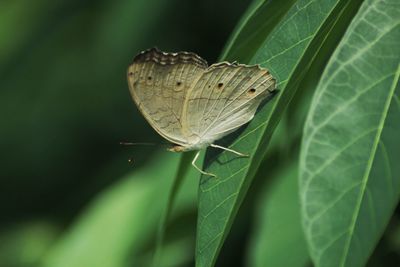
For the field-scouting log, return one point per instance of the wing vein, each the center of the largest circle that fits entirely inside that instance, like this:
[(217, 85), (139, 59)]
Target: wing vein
[(226, 105)]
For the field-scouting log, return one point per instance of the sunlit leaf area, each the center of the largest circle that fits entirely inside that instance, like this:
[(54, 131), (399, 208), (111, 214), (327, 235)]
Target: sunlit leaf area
[(319, 184)]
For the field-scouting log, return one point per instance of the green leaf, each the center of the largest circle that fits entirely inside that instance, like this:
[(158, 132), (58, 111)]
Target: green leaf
[(278, 225), (257, 22), (25, 243), (119, 223), (287, 52), (177, 184), (350, 176)]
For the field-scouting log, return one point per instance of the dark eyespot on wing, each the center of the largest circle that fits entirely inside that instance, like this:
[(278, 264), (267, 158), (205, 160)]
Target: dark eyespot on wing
[(251, 91)]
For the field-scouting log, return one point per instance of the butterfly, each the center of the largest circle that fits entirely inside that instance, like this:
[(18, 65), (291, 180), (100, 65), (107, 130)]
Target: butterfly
[(192, 104)]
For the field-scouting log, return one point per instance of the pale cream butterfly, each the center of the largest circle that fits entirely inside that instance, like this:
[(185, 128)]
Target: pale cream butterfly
[(192, 104)]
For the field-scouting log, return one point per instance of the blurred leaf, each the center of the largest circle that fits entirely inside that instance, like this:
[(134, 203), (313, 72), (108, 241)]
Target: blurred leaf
[(23, 244), (277, 227), (288, 53), (177, 184), (349, 172), (122, 219), (174, 254)]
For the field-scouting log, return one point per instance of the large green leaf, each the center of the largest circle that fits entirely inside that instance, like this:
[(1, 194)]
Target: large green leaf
[(350, 181), (287, 52)]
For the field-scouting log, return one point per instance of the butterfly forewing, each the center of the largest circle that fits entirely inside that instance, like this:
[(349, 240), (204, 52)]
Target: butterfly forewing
[(225, 97), (158, 83)]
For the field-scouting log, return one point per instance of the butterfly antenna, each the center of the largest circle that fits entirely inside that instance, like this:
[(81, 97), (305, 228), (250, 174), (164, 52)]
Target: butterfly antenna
[(144, 144), (137, 144)]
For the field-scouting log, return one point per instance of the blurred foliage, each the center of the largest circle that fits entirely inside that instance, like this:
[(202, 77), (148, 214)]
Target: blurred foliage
[(65, 105), (69, 197)]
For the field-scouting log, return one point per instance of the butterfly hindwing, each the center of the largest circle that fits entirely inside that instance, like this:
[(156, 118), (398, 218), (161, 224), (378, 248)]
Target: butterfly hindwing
[(225, 97)]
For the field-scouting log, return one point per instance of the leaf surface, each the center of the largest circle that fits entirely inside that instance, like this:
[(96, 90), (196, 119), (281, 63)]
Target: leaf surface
[(350, 178), (287, 52)]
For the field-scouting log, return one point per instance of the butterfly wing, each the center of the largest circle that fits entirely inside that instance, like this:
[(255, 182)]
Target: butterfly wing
[(224, 98), (158, 83)]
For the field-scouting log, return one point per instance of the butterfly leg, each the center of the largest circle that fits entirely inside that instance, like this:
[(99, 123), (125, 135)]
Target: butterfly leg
[(197, 168), (230, 150)]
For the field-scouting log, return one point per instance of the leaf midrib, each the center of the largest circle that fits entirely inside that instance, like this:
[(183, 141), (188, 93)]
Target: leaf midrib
[(369, 165)]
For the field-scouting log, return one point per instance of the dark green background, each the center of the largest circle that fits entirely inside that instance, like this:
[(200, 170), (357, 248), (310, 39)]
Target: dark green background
[(64, 100)]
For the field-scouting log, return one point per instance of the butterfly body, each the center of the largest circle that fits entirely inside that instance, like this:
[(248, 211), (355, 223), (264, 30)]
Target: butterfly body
[(192, 104), (193, 144)]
